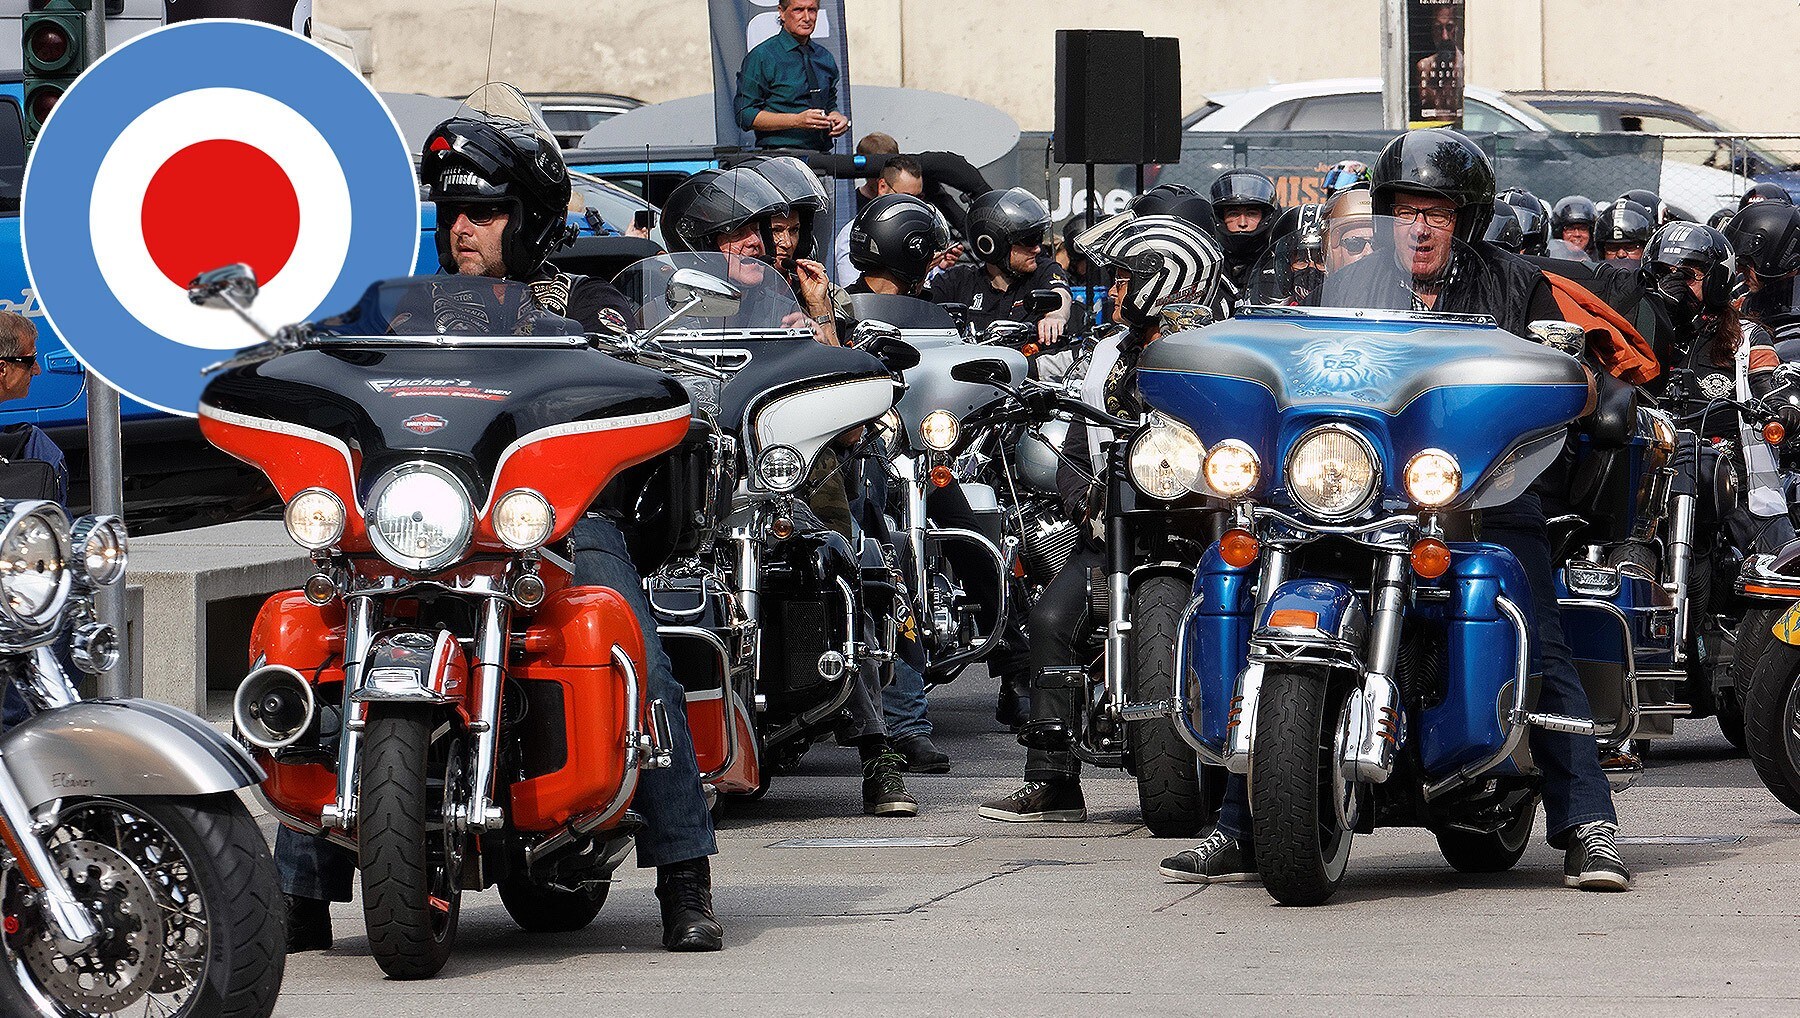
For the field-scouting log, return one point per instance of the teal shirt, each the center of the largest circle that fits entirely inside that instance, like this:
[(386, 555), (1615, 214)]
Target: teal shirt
[(784, 75)]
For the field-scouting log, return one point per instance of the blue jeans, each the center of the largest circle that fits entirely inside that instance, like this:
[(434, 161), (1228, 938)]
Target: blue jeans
[(1575, 789), (903, 703), (677, 824)]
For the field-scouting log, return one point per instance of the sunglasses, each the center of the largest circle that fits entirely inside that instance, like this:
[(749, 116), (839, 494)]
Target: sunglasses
[(1356, 245), (23, 361), (480, 215)]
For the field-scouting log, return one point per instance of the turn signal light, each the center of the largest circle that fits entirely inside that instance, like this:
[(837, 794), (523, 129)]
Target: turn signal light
[(1238, 548), (1029, 349), (781, 528), (941, 476), (1774, 432), (1431, 558)]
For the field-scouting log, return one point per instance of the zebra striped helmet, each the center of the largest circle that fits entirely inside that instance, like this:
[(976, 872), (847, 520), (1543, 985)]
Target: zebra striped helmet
[(1169, 260)]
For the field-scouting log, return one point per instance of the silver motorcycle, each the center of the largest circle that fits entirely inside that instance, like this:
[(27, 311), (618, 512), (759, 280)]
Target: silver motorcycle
[(134, 880)]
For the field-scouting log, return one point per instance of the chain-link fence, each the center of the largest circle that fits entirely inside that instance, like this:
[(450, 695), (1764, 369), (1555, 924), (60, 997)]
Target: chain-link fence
[(1696, 173)]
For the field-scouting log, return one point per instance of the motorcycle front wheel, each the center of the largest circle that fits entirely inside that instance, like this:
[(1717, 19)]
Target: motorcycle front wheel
[(411, 858), (1772, 720), (1175, 800), (1302, 844), (189, 902)]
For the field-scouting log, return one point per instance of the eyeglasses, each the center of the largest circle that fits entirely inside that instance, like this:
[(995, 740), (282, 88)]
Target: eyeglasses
[(479, 215), (1355, 245), (1436, 218), (29, 360)]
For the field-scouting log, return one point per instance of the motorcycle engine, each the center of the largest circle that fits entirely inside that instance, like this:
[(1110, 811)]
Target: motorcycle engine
[(1048, 538)]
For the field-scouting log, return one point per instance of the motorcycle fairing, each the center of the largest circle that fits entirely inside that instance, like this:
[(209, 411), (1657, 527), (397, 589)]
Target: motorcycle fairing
[(1403, 383), (1218, 640), (122, 747), (1469, 722), (805, 417), (929, 385)]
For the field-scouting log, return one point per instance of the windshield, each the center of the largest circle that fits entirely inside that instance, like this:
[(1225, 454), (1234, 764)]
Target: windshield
[(498, 100), (446, 306), (1412, 263), (767, 302)]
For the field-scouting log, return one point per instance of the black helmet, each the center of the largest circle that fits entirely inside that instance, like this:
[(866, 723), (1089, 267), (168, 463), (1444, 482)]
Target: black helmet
[(1643, 196), (1691, 246), (475, 160), (1624, 222), (1180, 201), (712, 202), (1170, 260), (806, 197), (1534, 219), (899, 235), (1766, 237), (1299, 237), (1575, 210), (1718, 219), (1245, 189), (1504, 229), (1441, 162), (1765, 191), (1000, 219)]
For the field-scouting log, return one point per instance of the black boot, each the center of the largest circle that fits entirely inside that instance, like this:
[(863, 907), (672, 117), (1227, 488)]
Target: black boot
[(685, 890), (308, 924)]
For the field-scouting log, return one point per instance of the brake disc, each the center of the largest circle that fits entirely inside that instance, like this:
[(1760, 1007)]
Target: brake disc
[(125, 963)]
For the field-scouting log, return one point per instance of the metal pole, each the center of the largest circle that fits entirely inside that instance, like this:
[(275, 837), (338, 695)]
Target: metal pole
[(1393, 64)]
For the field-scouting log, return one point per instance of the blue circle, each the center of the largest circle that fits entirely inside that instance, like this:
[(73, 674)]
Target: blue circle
[(59, 180)]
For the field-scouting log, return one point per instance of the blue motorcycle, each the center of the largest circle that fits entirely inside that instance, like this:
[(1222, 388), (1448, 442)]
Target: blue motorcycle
[(1350, 647)]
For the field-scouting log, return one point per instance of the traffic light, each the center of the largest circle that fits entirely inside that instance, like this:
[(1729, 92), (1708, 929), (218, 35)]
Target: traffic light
[(61, 37)]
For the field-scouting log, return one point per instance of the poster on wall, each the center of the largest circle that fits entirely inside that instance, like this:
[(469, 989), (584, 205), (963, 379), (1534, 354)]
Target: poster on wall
[(293, 14), (1434, 48)]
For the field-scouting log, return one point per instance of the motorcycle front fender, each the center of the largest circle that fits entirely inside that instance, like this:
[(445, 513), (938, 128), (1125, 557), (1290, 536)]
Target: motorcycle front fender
[(123, 748)]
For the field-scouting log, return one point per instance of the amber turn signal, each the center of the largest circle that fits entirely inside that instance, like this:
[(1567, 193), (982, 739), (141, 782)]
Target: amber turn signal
[(782, 528), (1431, 558), (1238, 548), (1774, 432), (941, 476)]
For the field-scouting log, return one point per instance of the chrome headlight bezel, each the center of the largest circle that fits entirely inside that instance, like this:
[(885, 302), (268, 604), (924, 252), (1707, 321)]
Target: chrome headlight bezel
[(781, 468), (1165, 459), (17, 516), (939, 430), (1442, 464), (324, 499), (1363, 498), (459, 521), (108, 530), (524, 540), (1246, 462)]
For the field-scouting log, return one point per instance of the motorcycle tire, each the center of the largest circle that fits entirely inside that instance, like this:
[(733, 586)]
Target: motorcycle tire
[(1494, 852), (411, 884), (223, 854), (1754, 634), (1772, 721), (1170, 789), (1302, 850), (540, 909)]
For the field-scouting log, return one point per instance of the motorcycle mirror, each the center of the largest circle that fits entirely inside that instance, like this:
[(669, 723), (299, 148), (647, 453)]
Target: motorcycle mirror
[(986, 371), (696, 293), (230, 287), (1565, 336), (867, 333), (1042, 302)]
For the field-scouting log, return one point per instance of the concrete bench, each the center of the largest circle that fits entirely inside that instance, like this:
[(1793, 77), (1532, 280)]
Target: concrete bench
[(192, 599)]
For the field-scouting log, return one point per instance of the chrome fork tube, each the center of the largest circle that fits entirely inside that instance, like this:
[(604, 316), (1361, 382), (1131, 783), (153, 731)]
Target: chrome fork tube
[(71, 923), (49, 684), (1387, 614), (1681, 556), (490, 656), (749, 576), (1373, 732), (359, 631), (915, 533)]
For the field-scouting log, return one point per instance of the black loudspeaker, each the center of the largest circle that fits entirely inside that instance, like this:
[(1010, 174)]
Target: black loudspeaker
[(1162, 100), (1100, 97)]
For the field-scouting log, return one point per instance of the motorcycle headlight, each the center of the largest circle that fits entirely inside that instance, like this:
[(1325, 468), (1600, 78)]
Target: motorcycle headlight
[(781, 468), (523, 519), (315, 519), (939, 430), (34, 570), (1232, 468), (421, 518), (1333, 472), (1433, 478), (100, 549), (1165, 458)]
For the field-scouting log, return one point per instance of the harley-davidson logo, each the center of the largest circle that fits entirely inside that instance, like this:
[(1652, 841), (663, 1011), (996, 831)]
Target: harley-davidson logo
[(423, 424)]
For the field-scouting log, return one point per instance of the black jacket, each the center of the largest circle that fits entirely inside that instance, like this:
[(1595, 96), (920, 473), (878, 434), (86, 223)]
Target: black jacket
[(1488, 281)]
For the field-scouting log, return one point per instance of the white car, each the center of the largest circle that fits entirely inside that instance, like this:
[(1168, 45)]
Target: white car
[(1354, 105)]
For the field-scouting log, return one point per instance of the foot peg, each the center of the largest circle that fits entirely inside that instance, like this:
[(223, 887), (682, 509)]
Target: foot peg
[(1562, 723), (1147, 711), (657, 745), (1048, 734)]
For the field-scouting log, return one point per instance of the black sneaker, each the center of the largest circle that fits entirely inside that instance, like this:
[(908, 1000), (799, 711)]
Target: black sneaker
[(1039, 801), (1592, 861), (884, 790), (922, 756), (1220, 859), (685, 891), (308, 924)]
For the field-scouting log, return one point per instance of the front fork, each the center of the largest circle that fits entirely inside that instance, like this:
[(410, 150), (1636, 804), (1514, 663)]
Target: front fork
[(359, 632)]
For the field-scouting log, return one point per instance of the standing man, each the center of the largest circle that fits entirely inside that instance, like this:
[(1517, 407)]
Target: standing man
[(787, 91)]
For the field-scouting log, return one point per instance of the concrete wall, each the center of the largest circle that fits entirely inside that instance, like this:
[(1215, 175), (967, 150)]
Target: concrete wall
[(1002, 51)]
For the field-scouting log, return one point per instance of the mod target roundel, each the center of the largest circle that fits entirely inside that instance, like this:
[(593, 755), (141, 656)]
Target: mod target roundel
[(195, 146)]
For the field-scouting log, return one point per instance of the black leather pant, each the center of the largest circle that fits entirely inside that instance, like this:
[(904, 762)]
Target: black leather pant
[(1060, 628)]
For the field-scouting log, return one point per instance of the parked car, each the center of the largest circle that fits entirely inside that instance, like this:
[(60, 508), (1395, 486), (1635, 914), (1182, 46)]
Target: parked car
[(1634, 111), (569, 115), (1554, 162)]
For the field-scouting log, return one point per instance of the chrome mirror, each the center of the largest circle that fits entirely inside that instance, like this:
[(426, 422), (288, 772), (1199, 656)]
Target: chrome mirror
[(231, 287), (696, 293)]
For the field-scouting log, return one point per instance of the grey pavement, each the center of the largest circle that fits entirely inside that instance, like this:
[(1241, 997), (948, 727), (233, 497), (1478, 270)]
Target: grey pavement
[(1072, 919)]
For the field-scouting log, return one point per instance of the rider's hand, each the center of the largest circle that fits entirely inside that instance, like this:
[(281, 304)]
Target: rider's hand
[(1050, 330), (950, 257), (815, 287)]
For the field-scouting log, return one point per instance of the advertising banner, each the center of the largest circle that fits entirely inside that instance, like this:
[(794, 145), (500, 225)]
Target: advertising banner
[(1434, 57)]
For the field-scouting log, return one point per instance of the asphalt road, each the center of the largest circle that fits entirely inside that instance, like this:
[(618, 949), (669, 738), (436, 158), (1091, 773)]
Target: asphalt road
[(1072, 919)]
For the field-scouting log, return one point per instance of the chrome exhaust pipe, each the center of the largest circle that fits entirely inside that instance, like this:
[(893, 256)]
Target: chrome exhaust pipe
[(273, 707)]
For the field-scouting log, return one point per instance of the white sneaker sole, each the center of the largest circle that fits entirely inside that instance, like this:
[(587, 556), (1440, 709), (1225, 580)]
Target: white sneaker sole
[(1057, 816), (894, 809), (1598, 881), (1201, 878)]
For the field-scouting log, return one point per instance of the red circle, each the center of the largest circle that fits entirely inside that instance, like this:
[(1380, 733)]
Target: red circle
[(218, 202)]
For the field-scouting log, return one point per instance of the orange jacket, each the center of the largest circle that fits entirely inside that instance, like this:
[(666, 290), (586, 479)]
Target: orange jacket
[(1614, 341)]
